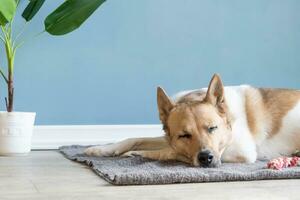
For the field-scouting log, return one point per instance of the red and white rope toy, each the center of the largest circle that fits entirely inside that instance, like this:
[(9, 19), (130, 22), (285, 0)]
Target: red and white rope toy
[(283, 162)]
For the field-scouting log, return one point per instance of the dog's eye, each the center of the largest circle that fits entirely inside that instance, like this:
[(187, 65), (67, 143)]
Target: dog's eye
[(211, 129), (185, 135)]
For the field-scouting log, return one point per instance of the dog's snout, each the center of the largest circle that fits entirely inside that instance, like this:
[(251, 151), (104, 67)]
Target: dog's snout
[(205, 158)]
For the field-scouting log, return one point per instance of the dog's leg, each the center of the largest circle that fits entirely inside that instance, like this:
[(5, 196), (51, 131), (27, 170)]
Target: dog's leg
[(131, 144), (161, 154), (238, 159)]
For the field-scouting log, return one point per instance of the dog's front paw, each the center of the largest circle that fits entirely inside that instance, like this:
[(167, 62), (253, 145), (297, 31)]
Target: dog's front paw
[(93, 151), (133, 154), (106, 150)]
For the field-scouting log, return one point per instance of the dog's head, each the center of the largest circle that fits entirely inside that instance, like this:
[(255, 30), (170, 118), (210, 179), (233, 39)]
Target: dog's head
[(199, 130)]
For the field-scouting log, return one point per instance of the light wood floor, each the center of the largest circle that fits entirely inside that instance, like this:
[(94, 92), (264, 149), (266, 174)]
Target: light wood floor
[(48, 175)]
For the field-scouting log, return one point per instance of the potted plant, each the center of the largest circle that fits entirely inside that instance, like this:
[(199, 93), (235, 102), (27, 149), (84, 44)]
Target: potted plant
[(16, 127)]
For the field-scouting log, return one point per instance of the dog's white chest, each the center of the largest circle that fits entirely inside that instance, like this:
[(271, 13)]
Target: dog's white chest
[(243, 147)]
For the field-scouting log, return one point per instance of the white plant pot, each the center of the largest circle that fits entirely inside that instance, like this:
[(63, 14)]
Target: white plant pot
[(16, 132)]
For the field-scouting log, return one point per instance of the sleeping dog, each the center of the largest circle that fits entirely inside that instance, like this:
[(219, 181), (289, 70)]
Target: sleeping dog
[(219, 124)]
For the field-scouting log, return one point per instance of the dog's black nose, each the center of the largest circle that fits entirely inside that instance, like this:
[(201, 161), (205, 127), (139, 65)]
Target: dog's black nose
[(205, 158)]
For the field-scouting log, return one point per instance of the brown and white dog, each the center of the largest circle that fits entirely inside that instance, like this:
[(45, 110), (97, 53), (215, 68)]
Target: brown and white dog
[(229, 124)]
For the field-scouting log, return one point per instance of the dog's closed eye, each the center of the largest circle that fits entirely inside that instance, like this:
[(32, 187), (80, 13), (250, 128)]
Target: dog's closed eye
[(212, 129), (185, 135)]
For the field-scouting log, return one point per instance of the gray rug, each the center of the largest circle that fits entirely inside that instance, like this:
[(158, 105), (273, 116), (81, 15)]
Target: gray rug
[(139, 171)]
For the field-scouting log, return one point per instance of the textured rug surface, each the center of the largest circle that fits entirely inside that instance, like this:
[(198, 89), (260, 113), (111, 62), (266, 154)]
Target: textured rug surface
[(139, 171)]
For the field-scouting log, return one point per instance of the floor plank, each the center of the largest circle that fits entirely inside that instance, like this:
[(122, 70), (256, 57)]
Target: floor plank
[(48, 175)]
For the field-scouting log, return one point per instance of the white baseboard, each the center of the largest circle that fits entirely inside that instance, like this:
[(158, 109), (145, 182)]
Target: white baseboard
[(51, 137)]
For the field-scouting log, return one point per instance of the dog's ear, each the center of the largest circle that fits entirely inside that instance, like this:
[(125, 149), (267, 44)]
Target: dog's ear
[(165, 104), (215, 92)]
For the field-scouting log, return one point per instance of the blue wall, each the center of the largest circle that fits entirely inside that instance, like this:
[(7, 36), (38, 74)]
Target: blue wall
[(107, 71)]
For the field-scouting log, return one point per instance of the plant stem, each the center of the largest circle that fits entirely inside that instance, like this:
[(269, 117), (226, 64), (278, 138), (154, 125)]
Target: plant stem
[(10, 85), (10, 54), (18, 45), (20, 33)]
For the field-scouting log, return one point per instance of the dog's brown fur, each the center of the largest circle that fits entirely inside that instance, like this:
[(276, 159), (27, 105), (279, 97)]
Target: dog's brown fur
[(277, 103)]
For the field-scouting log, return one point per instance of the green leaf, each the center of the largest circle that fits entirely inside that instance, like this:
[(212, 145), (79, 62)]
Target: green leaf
[(32, 8), (3, 20), (7, 11), (70, 15)]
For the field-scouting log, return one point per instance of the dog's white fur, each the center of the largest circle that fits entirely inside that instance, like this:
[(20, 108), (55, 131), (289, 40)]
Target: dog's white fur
[(251, 147)]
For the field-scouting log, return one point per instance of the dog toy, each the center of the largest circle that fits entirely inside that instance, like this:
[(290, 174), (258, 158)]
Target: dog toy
[(283, 162)]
